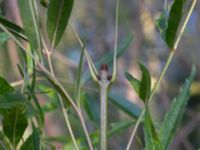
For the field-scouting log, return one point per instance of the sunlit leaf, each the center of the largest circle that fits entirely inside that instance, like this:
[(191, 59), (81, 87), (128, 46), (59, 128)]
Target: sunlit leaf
[(5, 87), (174, 116), (14, 124), (58, 15)]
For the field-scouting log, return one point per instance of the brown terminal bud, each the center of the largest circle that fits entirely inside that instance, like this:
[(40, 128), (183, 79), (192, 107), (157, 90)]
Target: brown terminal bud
[(104, 67)]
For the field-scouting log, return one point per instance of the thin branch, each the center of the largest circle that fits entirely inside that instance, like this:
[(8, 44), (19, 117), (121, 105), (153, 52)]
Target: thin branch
[(49, 54), (114, 74)]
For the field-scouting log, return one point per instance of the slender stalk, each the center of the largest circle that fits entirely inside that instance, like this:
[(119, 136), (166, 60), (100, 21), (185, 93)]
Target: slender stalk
[(114, 74), (170, 57), (49, 54), (103, 116)]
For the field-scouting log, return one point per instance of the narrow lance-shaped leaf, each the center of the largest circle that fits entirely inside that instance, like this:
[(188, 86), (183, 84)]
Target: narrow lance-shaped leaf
[(91, 108), (14, 124), (59, 12), (145, 85), (174, 116), (152, 142), (174, 20), (79, 75), (30, 23), (134, 82), (13, 28), (125, 105), (5, 87), (35, 137)]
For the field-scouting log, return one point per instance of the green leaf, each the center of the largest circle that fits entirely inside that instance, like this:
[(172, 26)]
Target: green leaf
[(4, 144), (53, 102), (174, 116), (145, 85), (14, 124), (91, 108), (174, 20), (161, 24), (13, 28), (119, 126), (58, 15), (28, 144), (5, 87), (30, 22), (79, 75), (125, 105), (3, 38), (10, 100), (36, 137), (152, 142), (44, 3), (40, 113), (134, 82)]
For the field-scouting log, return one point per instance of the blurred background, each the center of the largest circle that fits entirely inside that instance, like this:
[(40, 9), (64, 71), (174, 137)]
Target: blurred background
[(138, 40)]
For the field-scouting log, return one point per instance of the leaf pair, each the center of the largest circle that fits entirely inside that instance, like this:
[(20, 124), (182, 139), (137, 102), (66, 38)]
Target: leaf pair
[(142, 87)]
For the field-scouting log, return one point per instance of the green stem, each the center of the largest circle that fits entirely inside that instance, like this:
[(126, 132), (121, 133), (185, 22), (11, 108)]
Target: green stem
[(103, 116), (114, 73), (61, 103)]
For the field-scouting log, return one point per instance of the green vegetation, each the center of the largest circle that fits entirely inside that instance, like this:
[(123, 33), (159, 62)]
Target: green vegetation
[(23, 115)]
